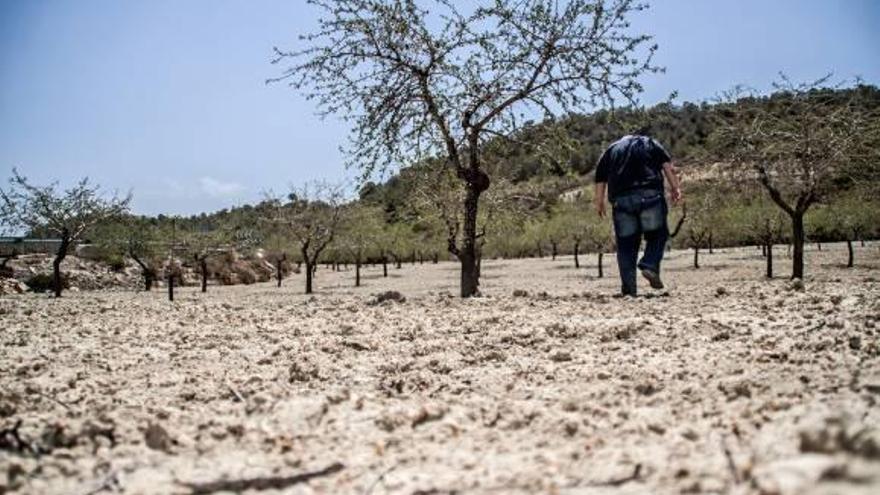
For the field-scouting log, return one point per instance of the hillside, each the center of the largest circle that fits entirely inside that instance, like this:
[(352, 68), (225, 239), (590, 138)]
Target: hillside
[(683, 129)]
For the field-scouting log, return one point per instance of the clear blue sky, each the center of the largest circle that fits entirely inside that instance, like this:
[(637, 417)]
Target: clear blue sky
[(167, 97)]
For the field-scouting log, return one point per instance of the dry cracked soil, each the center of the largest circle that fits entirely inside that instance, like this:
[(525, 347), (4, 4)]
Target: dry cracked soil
[(724, 383)]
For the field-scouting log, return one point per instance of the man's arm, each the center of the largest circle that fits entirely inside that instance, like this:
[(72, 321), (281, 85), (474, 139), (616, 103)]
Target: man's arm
[(660, 155), (675, 187), (599, 198)]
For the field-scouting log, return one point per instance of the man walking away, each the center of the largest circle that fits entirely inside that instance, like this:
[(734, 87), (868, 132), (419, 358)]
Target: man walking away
[(631, 171)]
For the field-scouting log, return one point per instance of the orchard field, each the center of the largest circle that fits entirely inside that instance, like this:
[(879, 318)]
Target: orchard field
[(724, 383)]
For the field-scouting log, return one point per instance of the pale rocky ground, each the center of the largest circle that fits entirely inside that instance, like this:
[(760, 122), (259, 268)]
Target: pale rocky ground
[(85, 274), (728, 384)]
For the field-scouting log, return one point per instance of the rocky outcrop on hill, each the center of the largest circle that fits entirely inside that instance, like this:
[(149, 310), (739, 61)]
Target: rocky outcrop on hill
[(80, 273)]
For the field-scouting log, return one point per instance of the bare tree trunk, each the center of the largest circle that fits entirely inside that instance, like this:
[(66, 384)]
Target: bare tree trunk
[(850, 260), (768, 248), (310, 273), (540, 250), (203, 266), (384, 265), (56, 275), (600, 263), (469, 275), (398, 263), (553, 251), (819, 245), (148, 274), (797, 240), (436, 258), (56, 263), (577, 246), (696, 256), (278, 270), (470, 278), (711, 244), (357, 270), (170, 286)]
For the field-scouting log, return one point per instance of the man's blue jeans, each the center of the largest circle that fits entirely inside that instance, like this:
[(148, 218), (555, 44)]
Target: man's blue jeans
[(636, 214)]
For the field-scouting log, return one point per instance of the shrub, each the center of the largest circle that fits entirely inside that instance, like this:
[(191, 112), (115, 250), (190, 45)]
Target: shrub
[(42, 282), (116, 262)]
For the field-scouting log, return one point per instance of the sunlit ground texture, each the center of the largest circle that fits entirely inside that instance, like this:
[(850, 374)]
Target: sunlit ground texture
[(727, 383)]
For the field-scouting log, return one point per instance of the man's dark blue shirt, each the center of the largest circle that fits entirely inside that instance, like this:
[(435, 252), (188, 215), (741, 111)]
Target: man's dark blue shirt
[(631, 163)]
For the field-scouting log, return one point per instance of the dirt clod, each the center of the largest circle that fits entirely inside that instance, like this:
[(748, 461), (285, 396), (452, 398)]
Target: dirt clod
[(391, 295), (157, 438)]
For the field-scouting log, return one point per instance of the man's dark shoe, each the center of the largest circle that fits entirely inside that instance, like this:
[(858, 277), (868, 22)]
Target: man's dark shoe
[(653, 277)]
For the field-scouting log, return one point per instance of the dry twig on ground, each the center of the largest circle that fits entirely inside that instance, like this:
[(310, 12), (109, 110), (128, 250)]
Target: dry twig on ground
[(262, 483)]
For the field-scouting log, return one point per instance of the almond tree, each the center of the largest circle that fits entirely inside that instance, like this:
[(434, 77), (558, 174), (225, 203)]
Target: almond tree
[(849, 216), (702, 215), (797, 143), (857, 213), (569, 220), (422, 79), (429, 236), (533, 233), (554, 230), (310, 215), (143, 246), (138, 238), (398, 241), (598, 239), (172, 266), (202, 244), (762, 222), (278, 253), (69, 214), (360, 231)]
